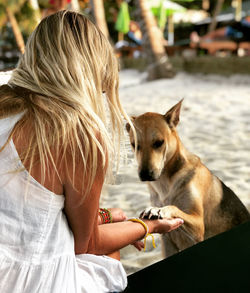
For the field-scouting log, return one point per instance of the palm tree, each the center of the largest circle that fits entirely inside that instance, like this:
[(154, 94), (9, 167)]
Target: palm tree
[(159, 65), (217, 11), (15, 27), (238, 11), (16, 12), (99, 14)]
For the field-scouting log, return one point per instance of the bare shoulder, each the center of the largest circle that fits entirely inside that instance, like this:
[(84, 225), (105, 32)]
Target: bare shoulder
[(52, 180)]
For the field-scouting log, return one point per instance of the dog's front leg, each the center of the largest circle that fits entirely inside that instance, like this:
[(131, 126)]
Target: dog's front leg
[(193, 228), (168, 246), (154, 196)]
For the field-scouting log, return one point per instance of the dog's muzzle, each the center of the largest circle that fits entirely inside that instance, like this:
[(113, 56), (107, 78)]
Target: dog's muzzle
[(147, 175)]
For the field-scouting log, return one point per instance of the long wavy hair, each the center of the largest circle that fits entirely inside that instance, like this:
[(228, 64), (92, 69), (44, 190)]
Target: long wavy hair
[(66, 67)]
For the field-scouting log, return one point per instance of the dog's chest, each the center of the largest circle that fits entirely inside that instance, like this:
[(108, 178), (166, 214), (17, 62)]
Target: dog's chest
[(161, 195)]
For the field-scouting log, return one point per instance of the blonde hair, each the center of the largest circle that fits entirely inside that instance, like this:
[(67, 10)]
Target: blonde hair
[(67, 65)]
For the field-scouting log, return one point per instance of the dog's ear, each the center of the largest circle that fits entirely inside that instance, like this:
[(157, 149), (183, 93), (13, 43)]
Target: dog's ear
[(172, 116), (132, 118)]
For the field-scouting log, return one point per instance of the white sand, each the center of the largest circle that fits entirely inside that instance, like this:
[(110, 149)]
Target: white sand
[(214, 124)]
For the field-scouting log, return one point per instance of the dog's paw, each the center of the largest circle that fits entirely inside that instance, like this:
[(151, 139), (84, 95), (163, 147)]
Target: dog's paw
[(151, 213)]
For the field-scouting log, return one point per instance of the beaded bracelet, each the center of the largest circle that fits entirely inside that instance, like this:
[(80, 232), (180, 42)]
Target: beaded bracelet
[(106, 216), (146, 229)]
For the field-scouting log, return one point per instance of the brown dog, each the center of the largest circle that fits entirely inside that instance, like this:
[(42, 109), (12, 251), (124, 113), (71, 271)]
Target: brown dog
[(180, 185)]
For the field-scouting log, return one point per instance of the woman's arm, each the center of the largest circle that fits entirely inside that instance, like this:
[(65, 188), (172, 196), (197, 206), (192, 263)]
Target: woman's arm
[(97, 239), (115, 236), (82, 217), (82, 209)]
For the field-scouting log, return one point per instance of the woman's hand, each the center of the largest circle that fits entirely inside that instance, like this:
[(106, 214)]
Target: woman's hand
[(159, 226), (138, 245), (117, 214), (164, 225), (114, 236)]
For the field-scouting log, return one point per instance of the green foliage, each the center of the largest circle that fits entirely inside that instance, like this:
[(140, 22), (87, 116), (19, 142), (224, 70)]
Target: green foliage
[(24, 14), (14, 5), (43, 3), (123, 19), (3, 17), (111, 10), (26, 19)]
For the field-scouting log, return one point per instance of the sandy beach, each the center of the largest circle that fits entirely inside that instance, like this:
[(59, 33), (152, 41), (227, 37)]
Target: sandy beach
[(214, 124)]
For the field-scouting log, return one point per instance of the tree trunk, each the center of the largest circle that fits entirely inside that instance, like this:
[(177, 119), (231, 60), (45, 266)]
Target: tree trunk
[(16, 30), (238, 10), (99, 14), (159, 67), (217, 10), (75, 5)]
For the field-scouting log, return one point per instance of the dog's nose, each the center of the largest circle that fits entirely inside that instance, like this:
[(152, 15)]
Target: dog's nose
[(146, 175)]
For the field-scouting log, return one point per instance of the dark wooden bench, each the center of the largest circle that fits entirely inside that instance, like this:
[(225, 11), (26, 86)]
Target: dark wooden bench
[(217, 265)]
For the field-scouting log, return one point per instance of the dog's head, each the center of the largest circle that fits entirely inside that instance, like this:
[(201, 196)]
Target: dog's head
[(156, 141)]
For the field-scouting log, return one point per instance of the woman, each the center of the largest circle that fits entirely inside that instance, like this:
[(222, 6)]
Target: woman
[(55, 153)]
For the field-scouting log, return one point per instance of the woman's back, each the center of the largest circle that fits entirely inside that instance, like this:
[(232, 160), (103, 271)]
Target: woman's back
[(34, 230), (36, 244)]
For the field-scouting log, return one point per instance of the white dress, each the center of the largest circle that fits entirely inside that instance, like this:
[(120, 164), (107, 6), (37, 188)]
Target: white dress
[(36, 244)]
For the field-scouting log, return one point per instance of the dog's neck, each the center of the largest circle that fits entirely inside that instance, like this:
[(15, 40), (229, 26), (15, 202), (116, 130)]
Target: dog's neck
[(173, 165), (176, 160)]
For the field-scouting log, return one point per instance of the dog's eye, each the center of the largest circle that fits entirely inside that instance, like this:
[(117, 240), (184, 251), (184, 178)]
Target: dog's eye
[(157, 144)]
